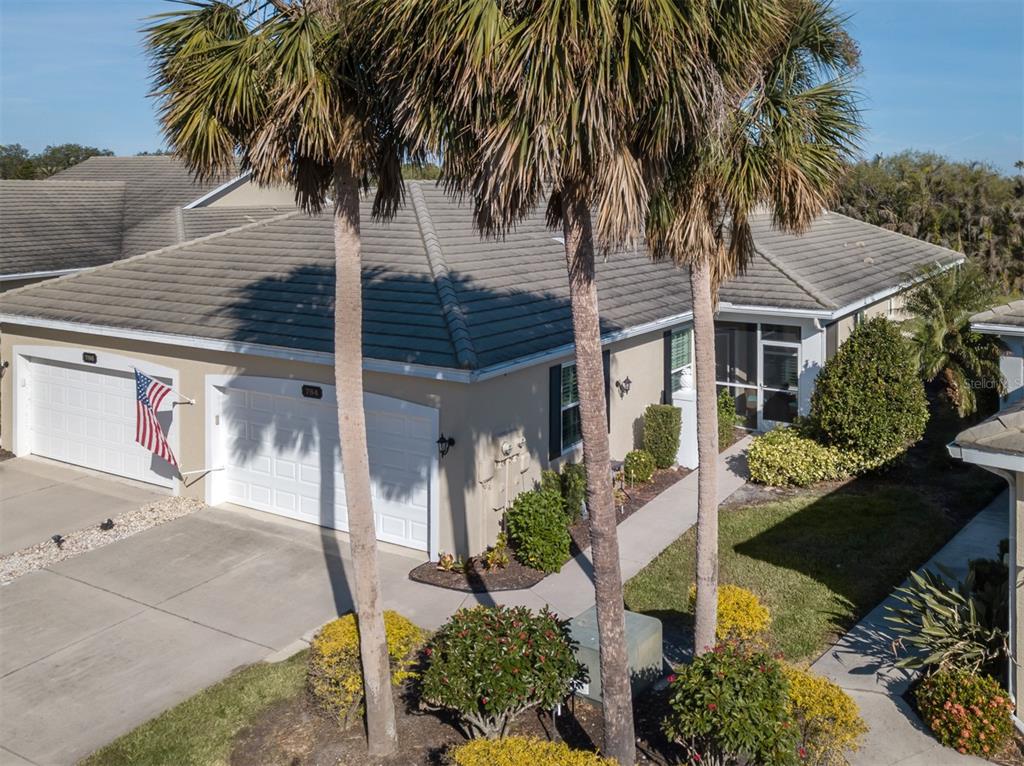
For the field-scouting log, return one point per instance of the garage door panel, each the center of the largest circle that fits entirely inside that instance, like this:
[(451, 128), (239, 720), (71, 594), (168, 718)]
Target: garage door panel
[(294, 440), (86, 416)]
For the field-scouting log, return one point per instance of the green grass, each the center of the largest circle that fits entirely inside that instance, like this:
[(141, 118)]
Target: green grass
[(199, 731), (818, 561)]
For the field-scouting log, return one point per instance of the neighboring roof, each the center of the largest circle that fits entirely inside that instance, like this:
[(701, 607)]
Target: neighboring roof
[(1009, 315), (203, 221), (1002, 433), (435, 293), (58, 225), (157, 186)]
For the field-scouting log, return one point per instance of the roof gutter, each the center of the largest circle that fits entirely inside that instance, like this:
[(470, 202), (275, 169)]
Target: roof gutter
[(993, 461), (40, 274), (991, 328), (215, 194)]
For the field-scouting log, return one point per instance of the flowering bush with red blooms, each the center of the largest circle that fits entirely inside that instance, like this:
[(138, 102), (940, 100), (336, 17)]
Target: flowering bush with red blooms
[(968, 712), (730, 706), (489, 664)]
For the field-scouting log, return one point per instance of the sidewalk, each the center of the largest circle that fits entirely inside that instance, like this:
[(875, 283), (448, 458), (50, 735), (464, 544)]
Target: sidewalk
[(642, 537), (861, 662)]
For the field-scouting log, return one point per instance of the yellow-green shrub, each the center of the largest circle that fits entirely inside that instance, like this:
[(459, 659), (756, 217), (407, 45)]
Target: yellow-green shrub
[(334, 674), (741, 615), (827, 718), (784, 457), (516, 751)]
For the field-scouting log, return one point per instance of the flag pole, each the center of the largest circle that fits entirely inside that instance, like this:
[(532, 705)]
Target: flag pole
[(177, 393)]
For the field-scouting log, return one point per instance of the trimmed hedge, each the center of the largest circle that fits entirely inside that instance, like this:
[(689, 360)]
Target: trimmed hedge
[(334, 674), (574, 489), (785, 457), (869, 399), (728, 418), (516, 751), (638, 467), (661, 433), (538, 529), (741, 615), (826, 717)]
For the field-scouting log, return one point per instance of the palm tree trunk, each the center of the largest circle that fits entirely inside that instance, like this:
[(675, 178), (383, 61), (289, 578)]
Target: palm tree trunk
[(706, 611), (348, 376), (617, 698)]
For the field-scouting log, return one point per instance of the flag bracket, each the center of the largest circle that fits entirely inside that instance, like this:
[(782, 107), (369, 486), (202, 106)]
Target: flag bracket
[(201, 470)]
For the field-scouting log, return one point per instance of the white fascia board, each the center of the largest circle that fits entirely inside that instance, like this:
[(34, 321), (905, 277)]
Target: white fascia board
[(999, 460), (738, 308), (220, 191), (991, 328), (241, 347), (40, 274)]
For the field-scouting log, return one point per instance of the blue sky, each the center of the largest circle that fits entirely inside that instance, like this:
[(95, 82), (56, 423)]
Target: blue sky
[(943, 75)]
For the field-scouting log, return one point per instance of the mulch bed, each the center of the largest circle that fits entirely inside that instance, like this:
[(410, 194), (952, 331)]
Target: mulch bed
[(476, 579), (294, 733)]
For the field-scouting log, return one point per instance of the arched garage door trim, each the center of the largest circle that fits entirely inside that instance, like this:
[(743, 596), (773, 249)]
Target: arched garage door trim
[(217, 387), (25, 355)]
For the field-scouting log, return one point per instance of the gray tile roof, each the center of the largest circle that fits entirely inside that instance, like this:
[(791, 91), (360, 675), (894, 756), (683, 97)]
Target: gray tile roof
[(156, 187), (435, 292), (1009, 314), (56, 225), (1003, 432), (203, 221)]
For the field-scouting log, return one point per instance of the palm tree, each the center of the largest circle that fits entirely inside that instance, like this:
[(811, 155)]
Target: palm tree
[(786, 127), (947, 349), (575, 102), (290, 87)]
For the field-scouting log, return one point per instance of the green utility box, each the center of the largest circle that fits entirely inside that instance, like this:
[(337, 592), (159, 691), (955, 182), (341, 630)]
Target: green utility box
[(643, 646)]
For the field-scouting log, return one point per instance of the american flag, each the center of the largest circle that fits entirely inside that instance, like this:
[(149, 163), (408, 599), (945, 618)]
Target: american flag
[(149, 395)]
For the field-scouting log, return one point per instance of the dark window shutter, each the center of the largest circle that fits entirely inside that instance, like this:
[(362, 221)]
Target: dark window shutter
[(606, 359), (555, 412), (666, 394)]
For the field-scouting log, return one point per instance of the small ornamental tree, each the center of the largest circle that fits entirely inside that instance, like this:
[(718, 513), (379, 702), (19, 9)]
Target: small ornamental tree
[(731, 706), (489, 664), (869, 399)]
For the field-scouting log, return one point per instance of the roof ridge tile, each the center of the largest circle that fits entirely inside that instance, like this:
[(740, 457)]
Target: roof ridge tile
[(458, 328)]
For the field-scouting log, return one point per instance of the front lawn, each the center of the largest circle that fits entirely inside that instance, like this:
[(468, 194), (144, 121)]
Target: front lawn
[(819, 560), (201, 730)]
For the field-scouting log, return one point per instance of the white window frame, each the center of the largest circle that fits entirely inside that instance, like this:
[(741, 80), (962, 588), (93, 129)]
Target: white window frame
[(562, 409), (676, 373)]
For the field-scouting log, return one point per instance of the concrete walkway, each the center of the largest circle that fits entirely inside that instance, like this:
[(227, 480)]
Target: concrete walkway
[(862, 661)]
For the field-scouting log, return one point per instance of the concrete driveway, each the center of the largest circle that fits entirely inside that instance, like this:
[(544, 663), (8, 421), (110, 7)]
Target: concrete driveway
[(99, 643), (39, 498)]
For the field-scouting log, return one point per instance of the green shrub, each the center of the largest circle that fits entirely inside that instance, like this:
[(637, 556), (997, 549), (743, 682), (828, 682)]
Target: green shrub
[(661, 433), (950, 627), (574, 489), (827, 718), (741, 615), (638, 467), (489, 664), (728, 418), (868, 399), (516, 751), (334, 674), (731, 705), (538, 531), (784, 457), (968, 712)]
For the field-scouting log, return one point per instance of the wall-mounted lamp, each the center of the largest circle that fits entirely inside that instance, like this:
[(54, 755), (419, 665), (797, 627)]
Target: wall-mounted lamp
[(445, 443), (623, 386)]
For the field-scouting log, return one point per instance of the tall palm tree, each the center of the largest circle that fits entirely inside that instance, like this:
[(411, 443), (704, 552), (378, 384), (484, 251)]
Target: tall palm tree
[(947, 349), (787, 125), (289, 86), (577, 102)]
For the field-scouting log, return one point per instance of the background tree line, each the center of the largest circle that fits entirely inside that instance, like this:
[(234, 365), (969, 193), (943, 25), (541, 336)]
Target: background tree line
[(968, 206), (17, 162)]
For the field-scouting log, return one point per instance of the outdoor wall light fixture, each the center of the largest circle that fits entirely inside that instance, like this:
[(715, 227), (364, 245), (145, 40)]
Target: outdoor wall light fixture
[(445, 443), (623, 386)]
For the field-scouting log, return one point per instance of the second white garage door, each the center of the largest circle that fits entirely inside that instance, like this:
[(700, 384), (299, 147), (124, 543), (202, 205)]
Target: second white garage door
[(280, 454)]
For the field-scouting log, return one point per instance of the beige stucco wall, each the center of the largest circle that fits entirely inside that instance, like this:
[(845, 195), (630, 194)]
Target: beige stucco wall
[(839, 331), (251, 195), (476, 480)]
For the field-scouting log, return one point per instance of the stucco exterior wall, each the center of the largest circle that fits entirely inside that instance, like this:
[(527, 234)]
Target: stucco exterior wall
[(477, 479), (839, 330), (251, 195)]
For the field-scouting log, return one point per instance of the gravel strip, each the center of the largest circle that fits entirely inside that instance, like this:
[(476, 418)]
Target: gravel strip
[(127, 524)]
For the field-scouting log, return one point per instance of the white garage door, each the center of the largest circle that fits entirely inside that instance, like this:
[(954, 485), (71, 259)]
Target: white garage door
[(86, 416), (281, 455)]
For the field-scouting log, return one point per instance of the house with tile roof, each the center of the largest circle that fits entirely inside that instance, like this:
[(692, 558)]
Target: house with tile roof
[(108, 208), (997, 445), (468, 355)]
